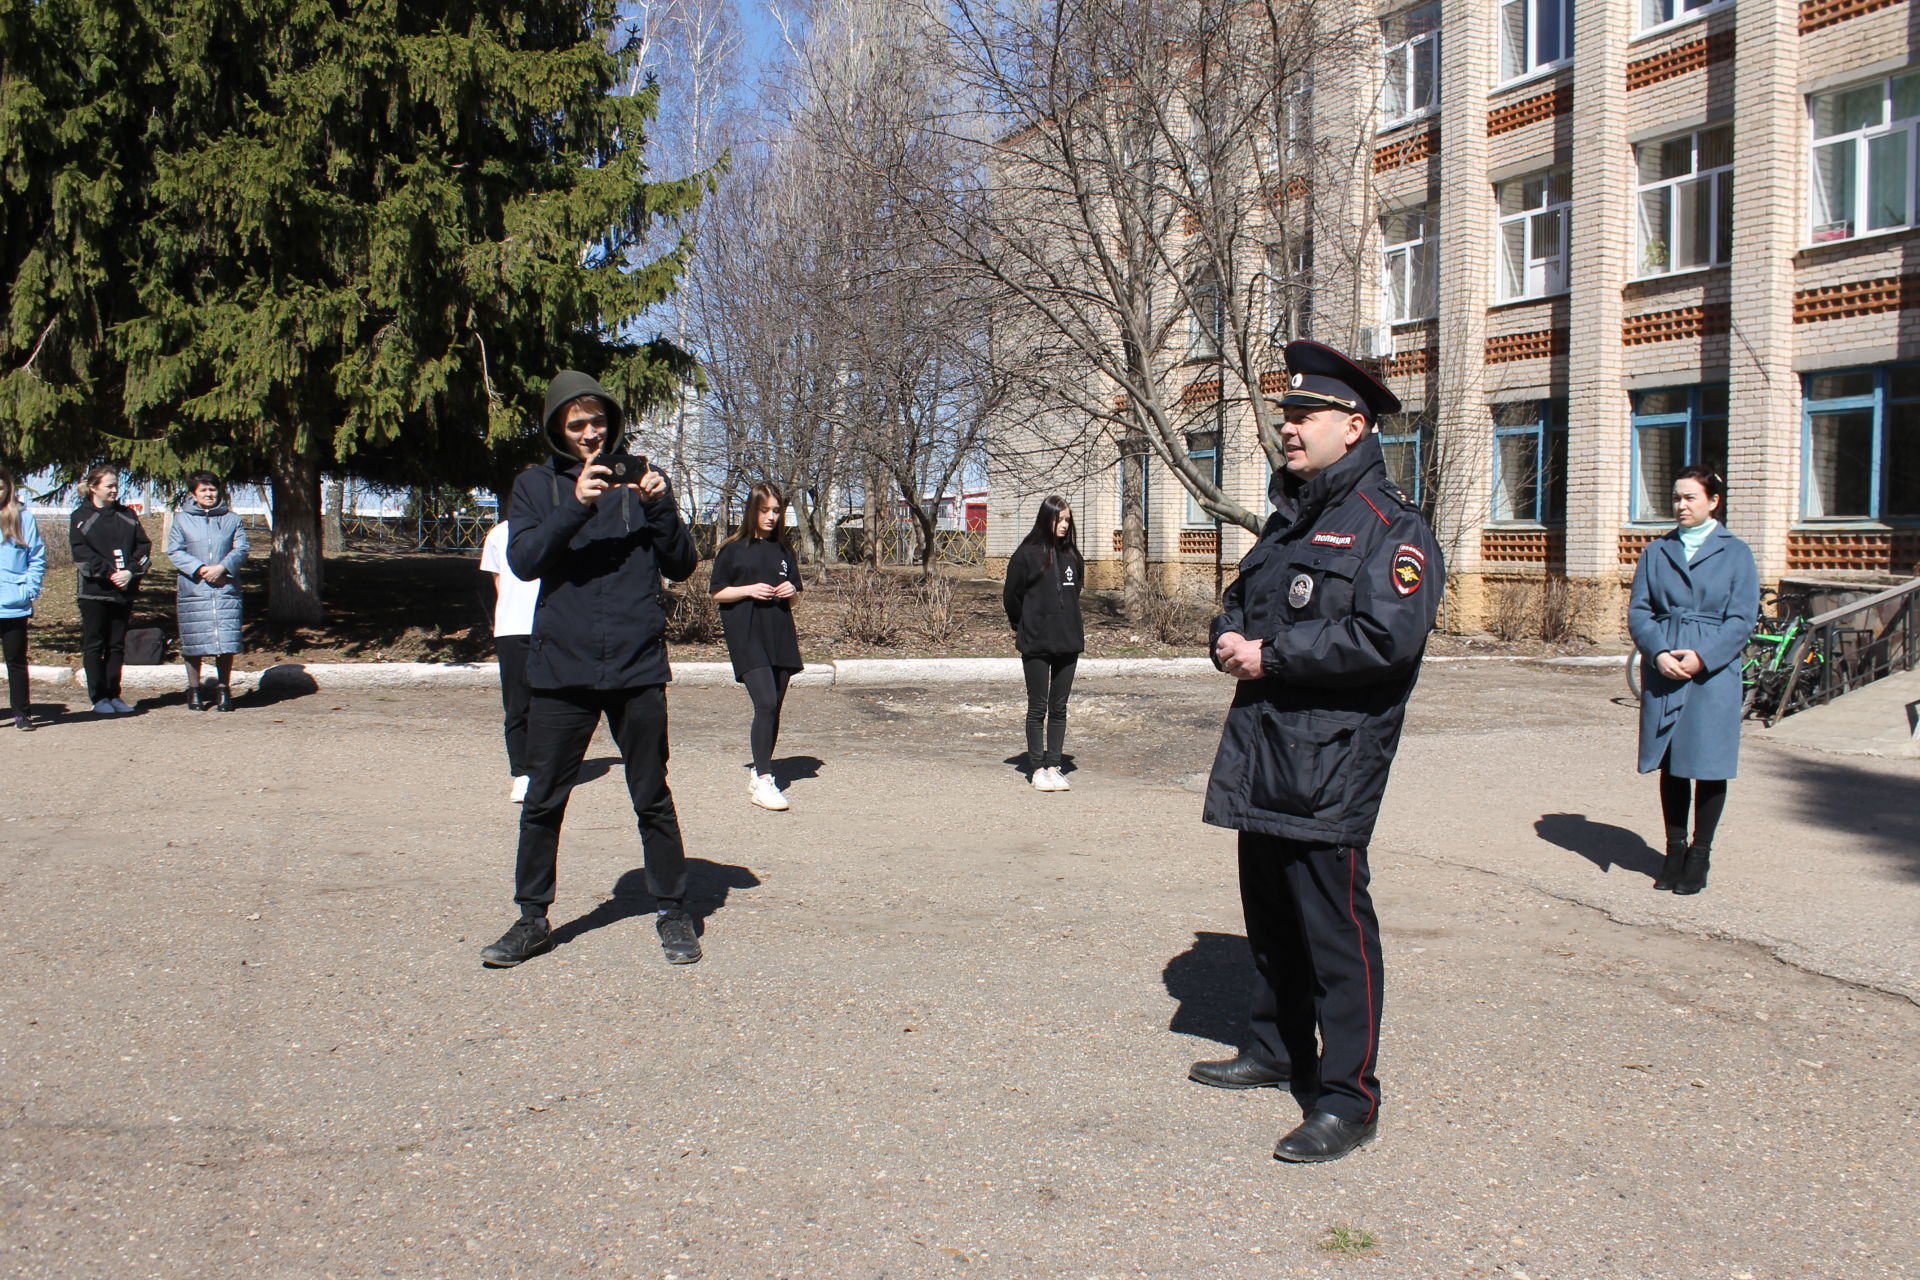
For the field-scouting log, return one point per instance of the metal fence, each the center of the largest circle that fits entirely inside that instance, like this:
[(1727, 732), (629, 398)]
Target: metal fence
[(1851, 646)]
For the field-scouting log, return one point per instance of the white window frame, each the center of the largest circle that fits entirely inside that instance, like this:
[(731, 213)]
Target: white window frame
[(1290, 291), (1204, 339), (1410, 268), (1683, 12), (1718, 182), (1864, 143), (1550, 268), (1202, 446), (1403, 55), (1295, 144), (1523, 66)]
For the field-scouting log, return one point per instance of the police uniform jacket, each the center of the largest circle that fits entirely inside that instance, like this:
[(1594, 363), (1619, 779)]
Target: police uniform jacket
[(1342, 586), (1707, 605), (602, 618)]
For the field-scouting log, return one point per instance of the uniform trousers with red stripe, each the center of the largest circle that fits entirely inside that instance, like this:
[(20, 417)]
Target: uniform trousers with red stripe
[(1316, 957)]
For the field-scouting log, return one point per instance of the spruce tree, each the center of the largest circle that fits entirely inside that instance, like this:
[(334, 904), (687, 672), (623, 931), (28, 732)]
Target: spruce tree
[(362, 236)]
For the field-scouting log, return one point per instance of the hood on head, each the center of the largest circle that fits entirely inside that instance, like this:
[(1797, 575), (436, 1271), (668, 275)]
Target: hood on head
[(567, 387)]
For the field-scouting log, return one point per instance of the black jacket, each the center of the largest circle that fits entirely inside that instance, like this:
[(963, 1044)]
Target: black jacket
[(1042, 598), (1343, 586), (602, 618), (95, 533)]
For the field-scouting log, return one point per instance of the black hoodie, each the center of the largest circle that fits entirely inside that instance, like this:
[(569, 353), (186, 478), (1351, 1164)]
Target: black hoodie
[(602, 618)]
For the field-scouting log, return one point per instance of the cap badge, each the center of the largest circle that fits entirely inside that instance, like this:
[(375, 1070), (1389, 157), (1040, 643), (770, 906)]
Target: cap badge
[(1298, 378)]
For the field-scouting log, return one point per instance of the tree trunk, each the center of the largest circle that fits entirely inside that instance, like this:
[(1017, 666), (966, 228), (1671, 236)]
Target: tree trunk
[(334, 533), (870, 520), (1133, 532), (294, 568)]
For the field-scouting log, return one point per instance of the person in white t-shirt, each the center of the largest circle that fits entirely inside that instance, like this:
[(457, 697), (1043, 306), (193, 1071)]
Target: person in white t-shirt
[(513, 606)]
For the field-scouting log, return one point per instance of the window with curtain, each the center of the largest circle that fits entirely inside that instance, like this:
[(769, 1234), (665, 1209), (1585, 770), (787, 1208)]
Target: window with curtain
[(1686, 201), (1534, 35), (1530, 461), (1862, 157), (1674, 427), (1410, 244), (1535, 215), (1411, 84)]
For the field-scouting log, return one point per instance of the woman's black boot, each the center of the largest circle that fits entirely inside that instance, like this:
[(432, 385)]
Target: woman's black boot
[(226, 699), (1693, 873), (1670, 868), (194, 701)]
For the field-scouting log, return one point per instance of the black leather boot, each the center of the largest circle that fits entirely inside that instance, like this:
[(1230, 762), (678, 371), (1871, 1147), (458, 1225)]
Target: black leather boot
[(194, 701), (1693, 873), (1670, 869), (226, 699)]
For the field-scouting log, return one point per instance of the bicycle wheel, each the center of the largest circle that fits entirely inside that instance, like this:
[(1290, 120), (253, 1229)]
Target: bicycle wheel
[(1633, 674)]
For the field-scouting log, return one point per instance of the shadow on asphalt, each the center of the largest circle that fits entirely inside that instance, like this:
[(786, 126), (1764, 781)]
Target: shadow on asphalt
[(595, 769), (1604, 845), (282, 683), (1211, 980), (1018, 762), (791, 769), (1870, 805), (708, 884)]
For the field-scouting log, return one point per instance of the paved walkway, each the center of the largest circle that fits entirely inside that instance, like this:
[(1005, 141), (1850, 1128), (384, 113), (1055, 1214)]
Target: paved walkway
[(943, 1024)]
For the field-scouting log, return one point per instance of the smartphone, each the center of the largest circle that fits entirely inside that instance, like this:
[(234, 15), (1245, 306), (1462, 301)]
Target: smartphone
[(627, 468)]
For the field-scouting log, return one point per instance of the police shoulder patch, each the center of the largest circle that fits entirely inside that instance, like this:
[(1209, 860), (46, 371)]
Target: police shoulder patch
[(1408, 568)]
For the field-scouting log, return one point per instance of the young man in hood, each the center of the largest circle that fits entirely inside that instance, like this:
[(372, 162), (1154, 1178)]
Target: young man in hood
[(598, 650)]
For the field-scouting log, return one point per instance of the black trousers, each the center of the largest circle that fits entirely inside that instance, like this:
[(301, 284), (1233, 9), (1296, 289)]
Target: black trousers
[(103, 645), (13, 646), (515, 697), (1316, 956), (767, 687), (560, 725), (1049, 685)]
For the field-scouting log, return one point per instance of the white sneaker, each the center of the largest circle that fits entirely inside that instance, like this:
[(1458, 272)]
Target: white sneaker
[(1060, 782), (519, 793), (1043, 780), (766, 793)]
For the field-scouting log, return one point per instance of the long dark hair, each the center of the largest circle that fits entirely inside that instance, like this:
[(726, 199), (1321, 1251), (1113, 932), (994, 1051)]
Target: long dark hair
[(1042, 536), (764, 492)]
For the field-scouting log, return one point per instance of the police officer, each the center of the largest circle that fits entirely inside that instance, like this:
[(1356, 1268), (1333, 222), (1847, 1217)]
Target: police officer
[(1324, 629)]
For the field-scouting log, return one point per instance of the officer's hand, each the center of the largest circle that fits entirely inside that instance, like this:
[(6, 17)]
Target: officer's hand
[(651, 485), (1670, 665), (1224, 644), (1242, 658), (592, 482)]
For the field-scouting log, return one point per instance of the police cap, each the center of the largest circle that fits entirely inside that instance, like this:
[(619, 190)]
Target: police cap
[(1318, 377)]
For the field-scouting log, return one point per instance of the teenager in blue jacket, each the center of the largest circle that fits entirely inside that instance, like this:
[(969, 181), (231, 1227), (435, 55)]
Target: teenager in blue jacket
[(1696, 593), (23, 566)]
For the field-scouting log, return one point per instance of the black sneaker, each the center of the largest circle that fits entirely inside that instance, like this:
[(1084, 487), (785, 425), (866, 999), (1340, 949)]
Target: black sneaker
[(678, 937), (528, 938)]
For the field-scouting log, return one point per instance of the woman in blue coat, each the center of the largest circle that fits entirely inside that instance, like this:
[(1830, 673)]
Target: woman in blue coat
[(1695, 597), (23, 566), (207, 545)]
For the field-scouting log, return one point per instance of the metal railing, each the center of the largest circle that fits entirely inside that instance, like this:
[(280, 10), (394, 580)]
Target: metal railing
[(1851, 646), (419, 533)]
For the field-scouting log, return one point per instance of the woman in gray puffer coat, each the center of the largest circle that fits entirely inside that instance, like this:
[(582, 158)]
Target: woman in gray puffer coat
[(207, 546)]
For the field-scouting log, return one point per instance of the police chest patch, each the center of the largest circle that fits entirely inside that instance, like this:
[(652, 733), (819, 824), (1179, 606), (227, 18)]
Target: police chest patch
[(1301, 591), (1409, 566), (1332, 539)]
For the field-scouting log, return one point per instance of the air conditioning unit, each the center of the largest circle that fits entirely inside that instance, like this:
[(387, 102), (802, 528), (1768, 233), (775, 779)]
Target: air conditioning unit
[(1376, 342)]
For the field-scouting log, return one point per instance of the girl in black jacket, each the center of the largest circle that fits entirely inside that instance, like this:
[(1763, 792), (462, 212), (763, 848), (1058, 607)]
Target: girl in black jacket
[(755, 579), (111, 552), (1042, 597)]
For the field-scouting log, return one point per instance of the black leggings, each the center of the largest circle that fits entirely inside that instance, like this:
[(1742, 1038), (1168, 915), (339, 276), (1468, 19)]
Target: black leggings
[(103, 644), (13, 644), (767, 686), (1049, 684), (1709, 798)]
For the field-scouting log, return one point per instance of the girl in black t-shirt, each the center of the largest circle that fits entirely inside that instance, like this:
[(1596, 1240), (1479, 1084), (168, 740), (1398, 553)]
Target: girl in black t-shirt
[(755, 579), (1042, 598)]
